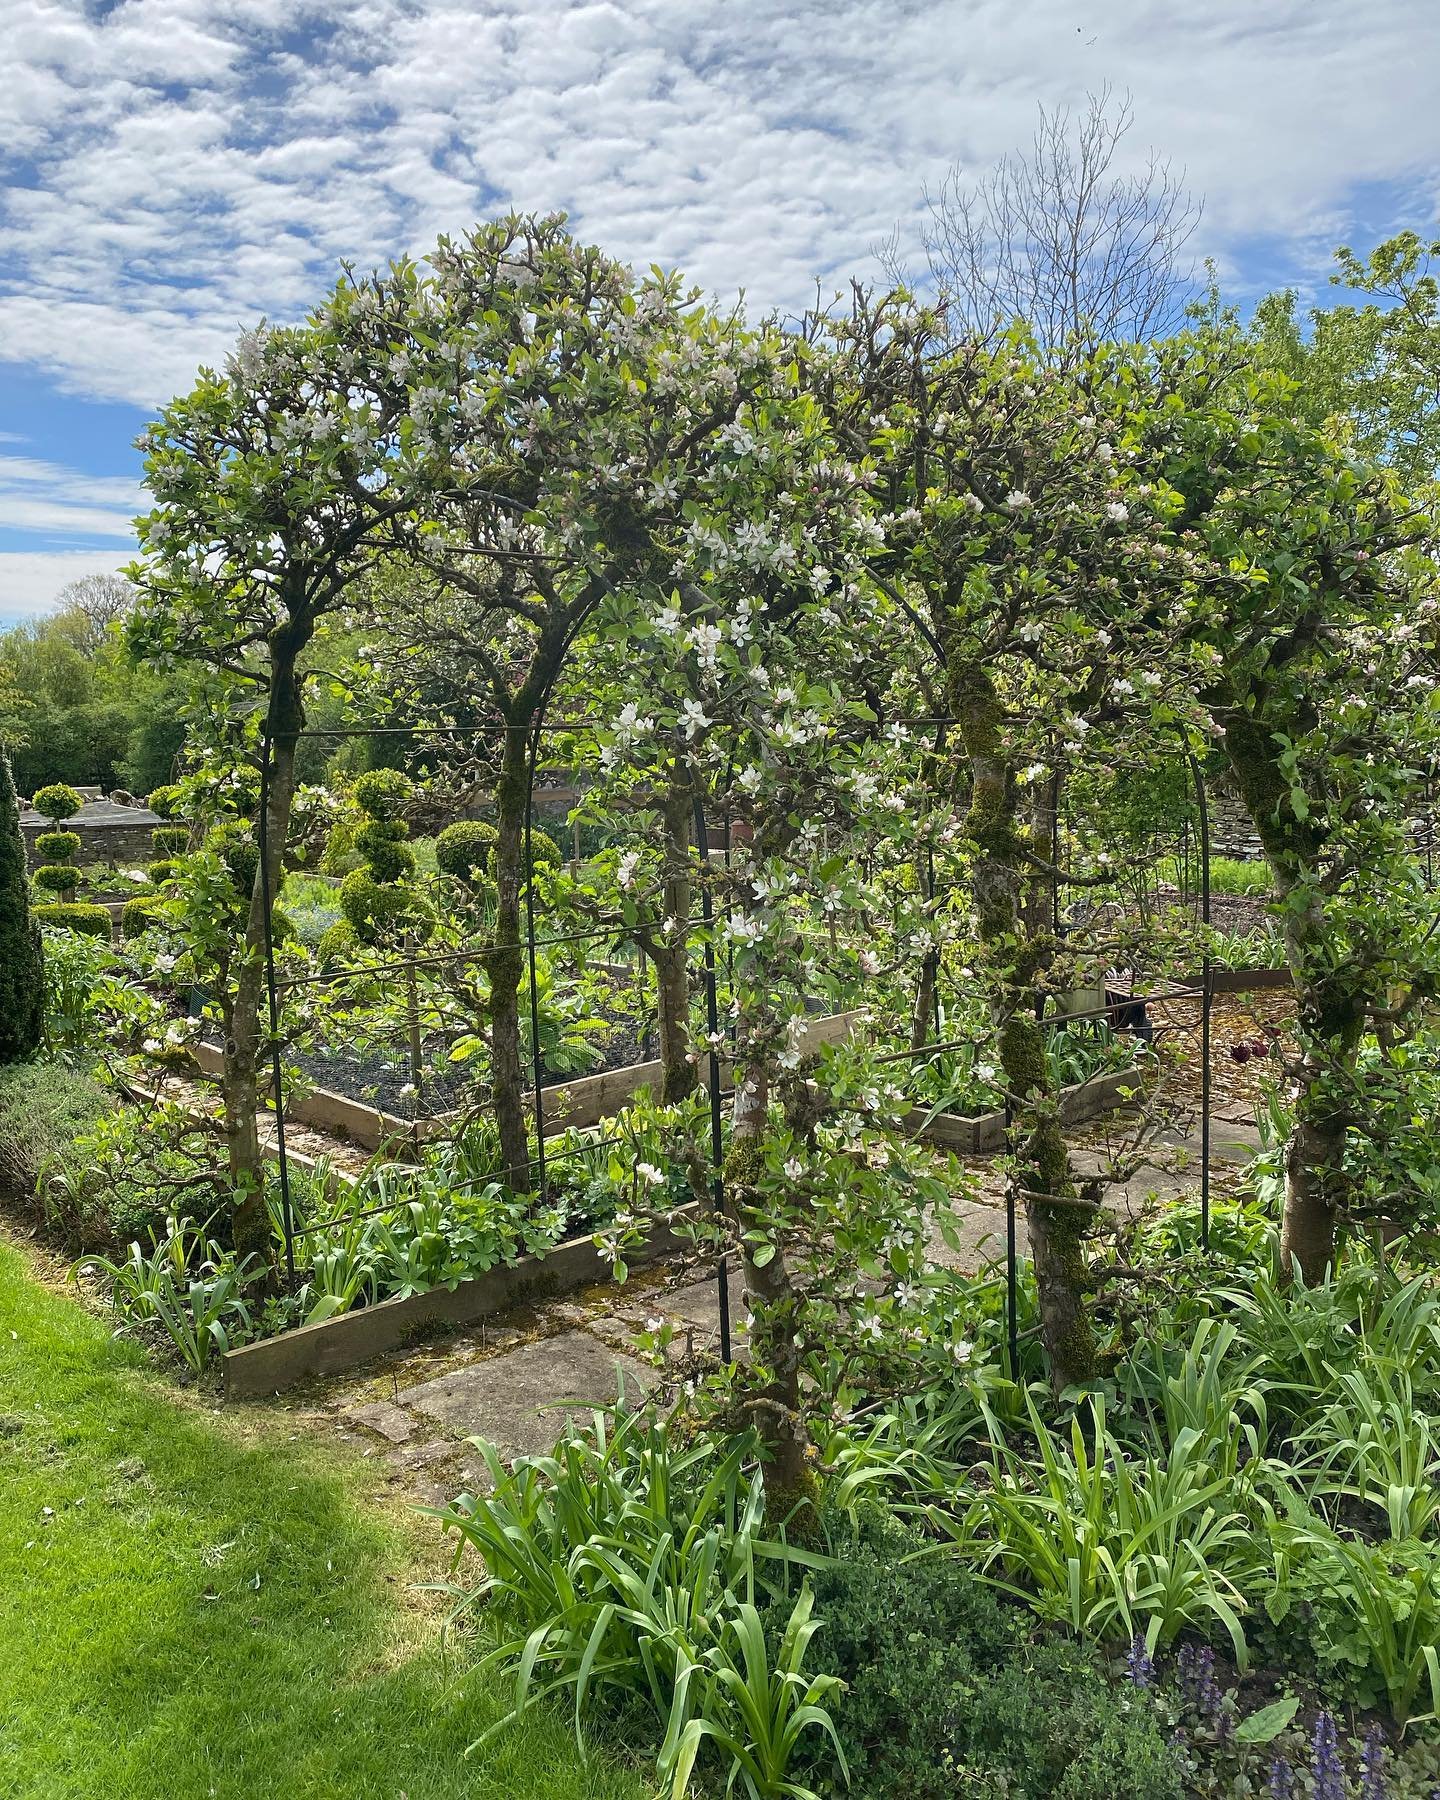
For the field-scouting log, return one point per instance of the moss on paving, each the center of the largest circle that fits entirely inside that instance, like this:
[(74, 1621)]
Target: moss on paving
[(198, 1603)]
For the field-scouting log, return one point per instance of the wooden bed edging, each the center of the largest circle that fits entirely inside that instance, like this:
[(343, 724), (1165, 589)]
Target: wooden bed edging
[(354, 1337), (1245, 981), (584, 1101), (986, 1132)]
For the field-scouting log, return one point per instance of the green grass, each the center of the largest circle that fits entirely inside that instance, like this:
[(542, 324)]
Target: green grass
[(1228, 875), (195, 1603)]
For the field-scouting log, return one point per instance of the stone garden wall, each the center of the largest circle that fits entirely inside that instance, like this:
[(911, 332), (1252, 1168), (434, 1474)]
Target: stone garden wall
[(108, 832)]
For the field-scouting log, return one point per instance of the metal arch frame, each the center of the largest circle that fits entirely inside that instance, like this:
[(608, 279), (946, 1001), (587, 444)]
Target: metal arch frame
[(534, 733)]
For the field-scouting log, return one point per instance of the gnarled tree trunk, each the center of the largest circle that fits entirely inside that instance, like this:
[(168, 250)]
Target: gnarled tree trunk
[(1330, 1012), (505, 963), (248, 1022), (669, 950), (1055, 1215), (779, 1413)]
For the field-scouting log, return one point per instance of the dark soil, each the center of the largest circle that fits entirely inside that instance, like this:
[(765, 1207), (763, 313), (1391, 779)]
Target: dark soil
[(382, 1076)]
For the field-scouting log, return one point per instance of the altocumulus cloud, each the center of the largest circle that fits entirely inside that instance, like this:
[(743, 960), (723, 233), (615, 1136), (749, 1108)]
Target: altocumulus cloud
[(178, 167)]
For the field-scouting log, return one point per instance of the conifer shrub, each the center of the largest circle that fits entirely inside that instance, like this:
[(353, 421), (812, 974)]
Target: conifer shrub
[(22, 972)]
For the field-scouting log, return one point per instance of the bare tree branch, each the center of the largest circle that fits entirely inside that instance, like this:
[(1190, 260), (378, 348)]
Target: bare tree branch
[(1060, 237)]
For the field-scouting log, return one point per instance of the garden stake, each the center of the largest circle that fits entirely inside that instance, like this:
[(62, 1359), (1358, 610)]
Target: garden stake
[(417, 1067)]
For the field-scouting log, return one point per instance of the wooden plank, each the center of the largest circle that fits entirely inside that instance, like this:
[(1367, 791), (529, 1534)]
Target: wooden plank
[(366, 1126), (1247, 981), (272, 1364), (984, 1132)]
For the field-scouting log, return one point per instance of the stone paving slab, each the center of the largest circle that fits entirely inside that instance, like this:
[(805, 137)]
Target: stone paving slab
[(698, 1304), (521, 1398), (391, 1422), (979, 1233), (519, 1393)]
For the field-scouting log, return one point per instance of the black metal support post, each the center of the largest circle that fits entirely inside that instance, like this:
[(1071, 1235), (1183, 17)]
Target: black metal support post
[(1207, 999), (277, 1074), (1012, 1267), (712, 1027)]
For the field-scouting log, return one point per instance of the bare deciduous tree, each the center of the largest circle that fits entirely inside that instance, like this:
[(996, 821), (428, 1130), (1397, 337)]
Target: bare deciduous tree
[(1060, 237), (103, 601)]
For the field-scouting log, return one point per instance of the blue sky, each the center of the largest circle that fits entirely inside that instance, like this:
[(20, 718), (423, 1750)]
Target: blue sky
[(175, 169)]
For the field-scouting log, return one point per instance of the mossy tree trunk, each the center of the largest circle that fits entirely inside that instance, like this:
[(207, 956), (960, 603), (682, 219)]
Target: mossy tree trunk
[(1330, 1003), (246, 1035), (505, 960), (1014, 954), (669, 949), (778, 1410)]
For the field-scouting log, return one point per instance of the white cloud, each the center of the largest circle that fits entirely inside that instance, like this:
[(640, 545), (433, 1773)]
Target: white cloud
[(180, 167), (185, 165), (30, 581), (43, 497)]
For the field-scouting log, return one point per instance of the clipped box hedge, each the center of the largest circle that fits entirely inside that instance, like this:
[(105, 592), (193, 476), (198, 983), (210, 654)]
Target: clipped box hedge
[(75, 915)]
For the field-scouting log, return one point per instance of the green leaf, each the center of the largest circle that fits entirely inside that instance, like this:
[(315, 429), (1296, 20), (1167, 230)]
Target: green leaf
[(1266, 1725)]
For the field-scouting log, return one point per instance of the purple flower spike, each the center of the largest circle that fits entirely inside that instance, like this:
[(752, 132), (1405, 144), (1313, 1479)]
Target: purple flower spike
[(1325, 1764), (1373, 1785), (1140, 1663), (1281, 1785)]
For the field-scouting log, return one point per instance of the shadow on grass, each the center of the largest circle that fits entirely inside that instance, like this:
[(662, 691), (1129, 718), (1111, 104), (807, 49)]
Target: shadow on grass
[(191, 1608)]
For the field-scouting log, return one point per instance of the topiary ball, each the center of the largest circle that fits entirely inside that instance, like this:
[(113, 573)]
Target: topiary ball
[(165, 801), (58, 877), (241, 856), (379, 831), (58, 801), (543, 849), (171, 840), (466, 848), (90, 921), (58, 846), (338, 944), (162, 871), (390, 861), (139, 915), (372, 906), (383, 793)]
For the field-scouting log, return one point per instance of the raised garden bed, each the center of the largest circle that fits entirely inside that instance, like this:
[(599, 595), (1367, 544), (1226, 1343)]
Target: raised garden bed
[(267, 1366), (985, 1132), (584, 1101)]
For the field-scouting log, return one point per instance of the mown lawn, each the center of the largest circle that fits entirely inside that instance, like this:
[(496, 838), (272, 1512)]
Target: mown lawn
[(196, 1605)]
